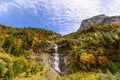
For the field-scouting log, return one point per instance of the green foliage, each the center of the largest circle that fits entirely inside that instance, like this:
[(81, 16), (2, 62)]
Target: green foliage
[(16, 40), (98, 40), (36, 69), (11, 67), (89, 76), (81, 76), (2, 50), (9, 75), (2, 40), (88, 49), (2, 66), (110, 76), (19, 66), (113, 67)]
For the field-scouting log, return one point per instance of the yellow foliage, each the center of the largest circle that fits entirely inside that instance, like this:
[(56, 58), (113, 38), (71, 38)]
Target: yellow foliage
[(75, 47), (30, 77), (6, 35), (6, 57), (87, 58), (1, 61), (116, 37), (96, 35), (91, 77), (22, 58), (35, 38), (17, 42), (84, 57)]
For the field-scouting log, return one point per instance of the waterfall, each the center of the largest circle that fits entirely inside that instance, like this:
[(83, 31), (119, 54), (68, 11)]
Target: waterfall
[(56, 59)]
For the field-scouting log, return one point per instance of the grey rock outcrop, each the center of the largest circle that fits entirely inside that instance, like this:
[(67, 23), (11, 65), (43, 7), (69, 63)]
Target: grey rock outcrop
[(100, 19), (94, 20), (111, 19)]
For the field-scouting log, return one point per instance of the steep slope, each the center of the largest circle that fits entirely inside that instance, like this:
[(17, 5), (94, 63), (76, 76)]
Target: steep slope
[(16, 40), (94, 47), (24, 52)]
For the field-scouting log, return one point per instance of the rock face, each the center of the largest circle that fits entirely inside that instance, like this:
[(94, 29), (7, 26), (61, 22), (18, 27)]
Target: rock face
[(48, 57), (111, 19), (100, 19), (94, 20)]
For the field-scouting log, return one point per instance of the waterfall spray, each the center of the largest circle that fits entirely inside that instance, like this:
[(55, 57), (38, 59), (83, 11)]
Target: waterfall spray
[(56, 58)]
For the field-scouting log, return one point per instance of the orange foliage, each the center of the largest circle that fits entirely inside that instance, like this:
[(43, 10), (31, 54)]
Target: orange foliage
[(102, 60), (3, 31), (39, 33), (113, 24)]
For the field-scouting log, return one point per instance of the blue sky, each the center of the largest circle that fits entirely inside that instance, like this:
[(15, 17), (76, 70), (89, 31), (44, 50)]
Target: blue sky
[(62, 16)]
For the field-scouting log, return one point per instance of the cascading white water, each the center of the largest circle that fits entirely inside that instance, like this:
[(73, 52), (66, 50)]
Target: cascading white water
[(56, 58)]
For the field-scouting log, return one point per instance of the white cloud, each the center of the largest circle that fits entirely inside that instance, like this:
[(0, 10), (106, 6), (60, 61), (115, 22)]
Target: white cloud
[(111, 7), (4, 7), (64, 14)]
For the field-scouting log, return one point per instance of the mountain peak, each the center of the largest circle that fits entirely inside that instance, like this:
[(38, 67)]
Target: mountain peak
[(99, 19), (93, 20)]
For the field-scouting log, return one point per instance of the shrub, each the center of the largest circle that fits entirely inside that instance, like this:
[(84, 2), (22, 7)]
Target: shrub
[(2, 66), (9, 75), (2, 39), (113, 67), (19, 66)]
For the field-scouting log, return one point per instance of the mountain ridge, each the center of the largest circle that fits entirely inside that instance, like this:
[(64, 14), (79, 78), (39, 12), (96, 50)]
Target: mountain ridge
[(99, 19)]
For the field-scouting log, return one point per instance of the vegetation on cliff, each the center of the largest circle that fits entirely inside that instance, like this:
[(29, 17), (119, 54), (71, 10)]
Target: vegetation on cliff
[(16, 40), (92, 48), (19, 52)]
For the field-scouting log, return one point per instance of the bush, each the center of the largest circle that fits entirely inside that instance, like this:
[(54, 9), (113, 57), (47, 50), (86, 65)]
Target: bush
[(2, 39), (19, 66), (9, 75), (113, 67), (2, 66)]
